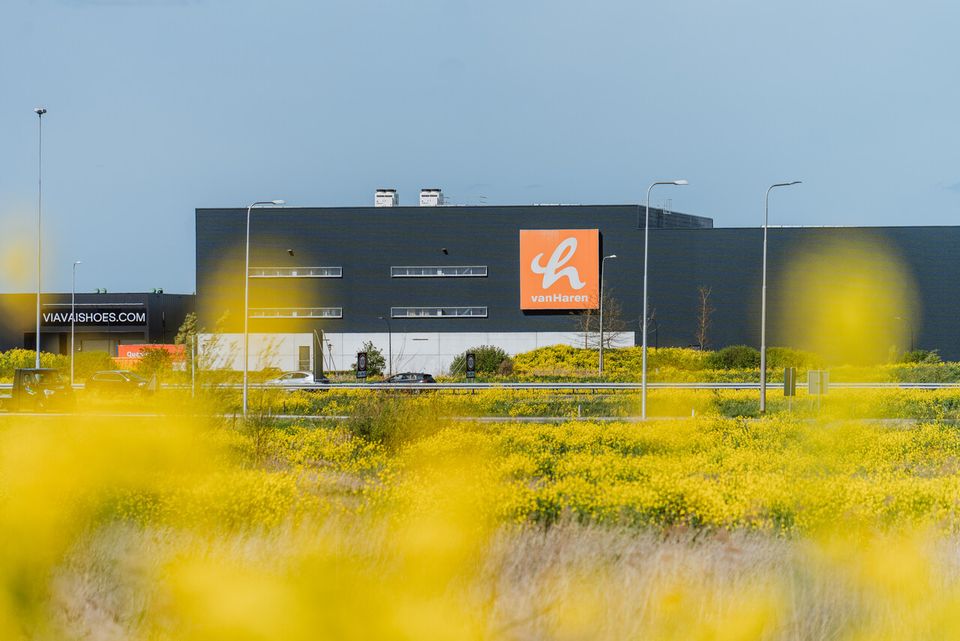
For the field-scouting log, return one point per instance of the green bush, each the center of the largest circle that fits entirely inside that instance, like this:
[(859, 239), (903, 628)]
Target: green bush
[(489, 360), (735, 357), (24, 358), (376, 363), (922, 356), (780, 357), (392, 419), (554, 359), (154, 362)]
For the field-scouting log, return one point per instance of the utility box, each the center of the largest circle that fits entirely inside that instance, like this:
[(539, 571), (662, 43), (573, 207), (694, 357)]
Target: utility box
[(471, 366), (386, 198), (790, 381), (431, 197), (818, 382)]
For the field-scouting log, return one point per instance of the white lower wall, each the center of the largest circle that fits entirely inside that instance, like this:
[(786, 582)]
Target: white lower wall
[(225, 351), (430, 352)]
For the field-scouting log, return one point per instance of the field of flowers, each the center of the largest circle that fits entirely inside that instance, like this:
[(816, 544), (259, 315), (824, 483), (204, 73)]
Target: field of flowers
[(586, 403), (404, 523), (733, 364)]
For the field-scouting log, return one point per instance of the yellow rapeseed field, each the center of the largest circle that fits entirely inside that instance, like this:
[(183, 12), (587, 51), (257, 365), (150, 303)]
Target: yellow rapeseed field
[(189, 526)]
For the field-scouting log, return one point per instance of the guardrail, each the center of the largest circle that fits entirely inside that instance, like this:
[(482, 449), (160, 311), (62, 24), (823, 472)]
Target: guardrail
[(546, 386)]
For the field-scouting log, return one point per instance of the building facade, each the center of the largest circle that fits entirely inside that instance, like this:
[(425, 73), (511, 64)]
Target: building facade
[(102, 321), (421, 283), (427, 283)]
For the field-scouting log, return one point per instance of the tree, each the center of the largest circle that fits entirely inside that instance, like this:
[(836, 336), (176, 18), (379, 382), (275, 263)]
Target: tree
[(376, 362), (588, 322), (154, 362), (187, 336), (704, 312)]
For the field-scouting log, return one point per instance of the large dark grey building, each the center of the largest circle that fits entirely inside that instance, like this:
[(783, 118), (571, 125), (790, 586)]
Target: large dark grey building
[(103, 321), (430, 282)]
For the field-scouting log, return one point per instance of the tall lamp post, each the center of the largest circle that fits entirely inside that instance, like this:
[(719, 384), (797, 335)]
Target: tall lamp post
[(39, 111), (389, 346), (600, 361), (763, 297), (909, 324), (246, 300), (73, 316), (646, 252)]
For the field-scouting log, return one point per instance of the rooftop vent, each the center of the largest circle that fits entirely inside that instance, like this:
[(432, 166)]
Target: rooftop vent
[(386, 198), (431, 197)]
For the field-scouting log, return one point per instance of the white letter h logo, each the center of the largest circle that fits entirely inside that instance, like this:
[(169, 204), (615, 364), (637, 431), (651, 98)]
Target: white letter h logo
[(560, 257)]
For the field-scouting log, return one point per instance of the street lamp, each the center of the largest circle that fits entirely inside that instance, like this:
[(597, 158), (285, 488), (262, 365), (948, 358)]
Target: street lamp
[(73, 316), (763, 299), (909, 324), (246, 300), (389, 345), (601, 310), (39, 111), (646, 247)]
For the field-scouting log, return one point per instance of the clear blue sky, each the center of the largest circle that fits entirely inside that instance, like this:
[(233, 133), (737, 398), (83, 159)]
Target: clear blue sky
[(160, 106)]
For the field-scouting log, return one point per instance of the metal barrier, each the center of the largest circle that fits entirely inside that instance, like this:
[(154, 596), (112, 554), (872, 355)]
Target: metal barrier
[(536, 386)]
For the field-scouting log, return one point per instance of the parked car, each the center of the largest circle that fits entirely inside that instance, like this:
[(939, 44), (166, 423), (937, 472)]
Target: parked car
[(39, 390), (117, 381), (411, 377), (294, 380)]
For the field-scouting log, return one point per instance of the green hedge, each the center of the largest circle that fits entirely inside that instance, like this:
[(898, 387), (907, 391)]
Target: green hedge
[(85, 363)]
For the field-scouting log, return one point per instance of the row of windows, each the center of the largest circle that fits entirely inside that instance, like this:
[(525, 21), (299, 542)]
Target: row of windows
[(296, 272), (411, 271), (395, 312), (439, 271), (438, 312), (296, 312)]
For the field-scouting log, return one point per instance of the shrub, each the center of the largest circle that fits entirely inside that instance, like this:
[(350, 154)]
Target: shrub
[(556, 358), (154, 362), (20, 358), (735, 357), (392, 419), (490, 359), (922, 356), (780, 357), (376, 362)]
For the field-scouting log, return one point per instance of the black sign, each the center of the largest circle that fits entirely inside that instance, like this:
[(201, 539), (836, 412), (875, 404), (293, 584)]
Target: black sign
[(471, 365), (790, 381), (361, 364), (86, 316)]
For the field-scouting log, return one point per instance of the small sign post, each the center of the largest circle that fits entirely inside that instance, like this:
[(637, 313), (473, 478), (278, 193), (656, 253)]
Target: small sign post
[(789, 384), (361, 365), (818, 382), (471, 366)]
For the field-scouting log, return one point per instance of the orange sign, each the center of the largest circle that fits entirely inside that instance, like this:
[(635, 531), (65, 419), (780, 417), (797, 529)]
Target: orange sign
[(559, 268), (136, 352)]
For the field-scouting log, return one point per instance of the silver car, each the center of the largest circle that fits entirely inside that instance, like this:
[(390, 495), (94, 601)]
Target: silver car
[(294, 380)]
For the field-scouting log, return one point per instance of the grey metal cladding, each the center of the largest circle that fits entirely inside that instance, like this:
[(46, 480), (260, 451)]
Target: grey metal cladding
[(368, 241)]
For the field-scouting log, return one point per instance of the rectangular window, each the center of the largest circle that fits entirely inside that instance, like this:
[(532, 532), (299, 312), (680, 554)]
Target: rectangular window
[(296, 272), (439, 271), (438, 312), (296, 312)]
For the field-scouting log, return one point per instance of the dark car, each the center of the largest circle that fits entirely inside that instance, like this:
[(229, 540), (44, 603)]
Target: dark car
[(39, 390), (119, 381), (411, 377)]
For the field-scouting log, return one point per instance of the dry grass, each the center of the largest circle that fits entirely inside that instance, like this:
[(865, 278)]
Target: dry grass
[(566, 582)]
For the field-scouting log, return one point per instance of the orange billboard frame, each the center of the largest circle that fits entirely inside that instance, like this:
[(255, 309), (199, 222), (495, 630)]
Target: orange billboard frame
[(559, 268)]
